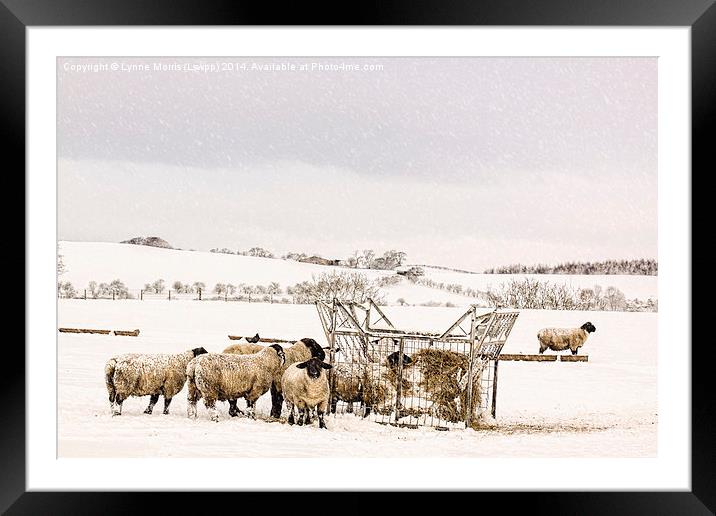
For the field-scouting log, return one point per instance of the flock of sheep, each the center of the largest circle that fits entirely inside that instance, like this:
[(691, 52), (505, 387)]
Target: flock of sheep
[(296, 374), (243, 370)]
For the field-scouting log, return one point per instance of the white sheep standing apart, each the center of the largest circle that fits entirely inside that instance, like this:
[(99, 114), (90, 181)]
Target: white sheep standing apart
[(305, 386), (135, 374), (559, 339), (228, 377)]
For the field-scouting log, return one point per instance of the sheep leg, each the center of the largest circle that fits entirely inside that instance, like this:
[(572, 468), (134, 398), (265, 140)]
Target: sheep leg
[(301, 415), (233, 409), (167, 402), (307, 416), (276, 402), (152, 401), (574, 351), (321, 423), (117, 411), (289, 405), (211, 407), (251, 408), (193, 395), (349, 409), (320, 410), (334, 404)]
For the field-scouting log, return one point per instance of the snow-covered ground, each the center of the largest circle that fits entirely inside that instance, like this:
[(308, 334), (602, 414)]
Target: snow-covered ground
[(606, 407), (137, 265)]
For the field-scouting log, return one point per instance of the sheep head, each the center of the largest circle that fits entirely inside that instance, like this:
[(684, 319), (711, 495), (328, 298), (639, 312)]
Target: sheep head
[(313, 367), (199, 351), (314, 347), (393, 359), (279, 352), (588, 327)]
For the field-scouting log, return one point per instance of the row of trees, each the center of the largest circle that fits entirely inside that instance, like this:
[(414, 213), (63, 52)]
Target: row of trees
[(534, 294), (259, 252), (646, 267), (368, 259), (455, 288), (360, 259), (95, 290)]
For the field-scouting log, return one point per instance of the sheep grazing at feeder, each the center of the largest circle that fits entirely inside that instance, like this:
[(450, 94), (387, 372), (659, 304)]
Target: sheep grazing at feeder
[(228, 377), (300, 351), (305, 385), (136, 374), (371, 384), (245, 346), (559, 339)]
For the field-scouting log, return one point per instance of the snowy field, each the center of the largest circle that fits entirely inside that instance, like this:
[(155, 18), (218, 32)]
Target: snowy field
[(137, 265), (604, 408)]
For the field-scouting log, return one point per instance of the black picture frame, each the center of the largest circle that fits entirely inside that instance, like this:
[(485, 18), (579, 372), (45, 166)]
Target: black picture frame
[(700, 15)]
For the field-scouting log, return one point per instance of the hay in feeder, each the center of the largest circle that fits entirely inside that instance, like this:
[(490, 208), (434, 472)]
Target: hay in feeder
[(443, 379)]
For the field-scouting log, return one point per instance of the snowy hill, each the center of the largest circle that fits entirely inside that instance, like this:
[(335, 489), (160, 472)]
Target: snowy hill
[(137, 265)]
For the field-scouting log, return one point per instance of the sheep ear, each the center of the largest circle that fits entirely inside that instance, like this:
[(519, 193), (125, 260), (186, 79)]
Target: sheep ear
[(326, 366), (302, 365)]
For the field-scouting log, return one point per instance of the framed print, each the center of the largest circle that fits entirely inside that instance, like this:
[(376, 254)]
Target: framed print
[(414, 254)]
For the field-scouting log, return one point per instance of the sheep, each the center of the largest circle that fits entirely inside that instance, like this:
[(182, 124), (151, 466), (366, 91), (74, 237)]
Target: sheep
[(136, 374), (301, 351), (559, 339), (368, 383), (306, 386), (245, 346), (227, 377)]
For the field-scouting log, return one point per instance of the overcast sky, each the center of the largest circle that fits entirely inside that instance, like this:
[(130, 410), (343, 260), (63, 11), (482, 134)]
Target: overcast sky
[(466, 162)]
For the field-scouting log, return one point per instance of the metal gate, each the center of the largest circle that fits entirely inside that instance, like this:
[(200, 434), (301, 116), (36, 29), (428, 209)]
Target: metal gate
[(410, 378)]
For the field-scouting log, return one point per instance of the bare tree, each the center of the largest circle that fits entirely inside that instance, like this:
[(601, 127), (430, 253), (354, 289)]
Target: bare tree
[(273, 289), (159, 286), (61, 269), (345, 286)]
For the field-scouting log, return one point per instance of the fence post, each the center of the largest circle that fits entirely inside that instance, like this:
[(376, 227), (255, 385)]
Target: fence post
[(58, 293), (199, 294), (331, 354), (85, 294), (399, 383), (141, 295), (112, 295), (225, 298), (170, 294), (493, 410), (470, 366)]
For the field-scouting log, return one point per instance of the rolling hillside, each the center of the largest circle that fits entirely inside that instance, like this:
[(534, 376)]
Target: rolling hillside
[(137, 265)]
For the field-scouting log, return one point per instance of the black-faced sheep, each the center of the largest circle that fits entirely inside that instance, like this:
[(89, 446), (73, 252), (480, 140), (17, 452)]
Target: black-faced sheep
[(228, 377), (135, 374), (559, 339), (305, 385), (300, 351)]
